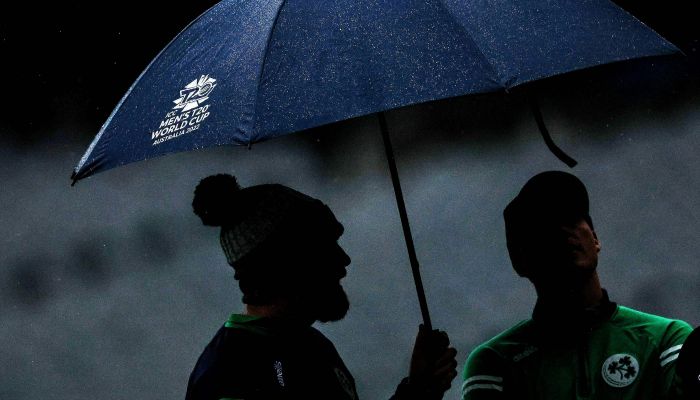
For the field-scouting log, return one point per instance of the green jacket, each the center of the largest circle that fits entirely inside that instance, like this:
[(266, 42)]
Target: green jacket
[(255, 358), (612, 352)]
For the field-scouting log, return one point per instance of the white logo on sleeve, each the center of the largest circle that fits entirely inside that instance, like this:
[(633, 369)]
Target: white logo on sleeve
[(345, 383), (279, 373), (620, 370)]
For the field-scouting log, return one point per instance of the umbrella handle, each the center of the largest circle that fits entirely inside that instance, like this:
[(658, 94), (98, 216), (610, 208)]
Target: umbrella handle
[(404, 221)]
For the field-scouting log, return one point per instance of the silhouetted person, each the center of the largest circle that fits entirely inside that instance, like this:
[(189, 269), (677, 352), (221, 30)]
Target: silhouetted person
[(578, 344), (689, 365), (283, 247)]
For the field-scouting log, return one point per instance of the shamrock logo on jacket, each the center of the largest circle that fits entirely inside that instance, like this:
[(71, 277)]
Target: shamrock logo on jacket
[(624, 367), (620, 370)]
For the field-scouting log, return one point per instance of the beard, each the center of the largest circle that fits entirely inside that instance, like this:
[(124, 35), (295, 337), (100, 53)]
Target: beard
[(329, 304)]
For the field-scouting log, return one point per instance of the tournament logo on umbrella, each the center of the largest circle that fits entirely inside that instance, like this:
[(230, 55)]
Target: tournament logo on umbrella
[(195, 93), (620, 370), (188, 113)]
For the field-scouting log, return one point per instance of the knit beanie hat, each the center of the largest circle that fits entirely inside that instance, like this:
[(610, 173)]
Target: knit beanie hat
[(552, 197), (260, 216)]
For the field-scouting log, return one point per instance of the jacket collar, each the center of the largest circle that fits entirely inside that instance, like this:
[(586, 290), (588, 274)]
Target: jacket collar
[(572, 318)]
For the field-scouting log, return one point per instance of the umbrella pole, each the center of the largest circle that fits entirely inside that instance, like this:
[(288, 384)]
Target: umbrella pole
[(404, 221)]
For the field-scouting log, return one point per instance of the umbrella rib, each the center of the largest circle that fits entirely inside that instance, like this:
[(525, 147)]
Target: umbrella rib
[(262, 67), (499, 79)]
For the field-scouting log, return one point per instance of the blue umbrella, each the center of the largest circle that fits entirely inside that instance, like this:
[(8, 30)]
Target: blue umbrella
[(250, 70)]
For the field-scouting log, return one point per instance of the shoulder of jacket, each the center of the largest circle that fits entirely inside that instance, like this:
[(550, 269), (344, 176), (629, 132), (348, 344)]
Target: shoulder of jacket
[(509, 343), (658, 328), (628, 316)]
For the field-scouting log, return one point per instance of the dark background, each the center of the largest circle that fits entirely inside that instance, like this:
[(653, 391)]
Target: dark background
[(111, 288)]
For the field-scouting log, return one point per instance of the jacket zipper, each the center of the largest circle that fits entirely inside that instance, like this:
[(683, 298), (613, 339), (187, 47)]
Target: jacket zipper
[(583, 384)]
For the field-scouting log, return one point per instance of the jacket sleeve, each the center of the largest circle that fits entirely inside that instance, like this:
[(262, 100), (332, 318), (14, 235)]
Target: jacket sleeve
[(669, 349), (484, 376)]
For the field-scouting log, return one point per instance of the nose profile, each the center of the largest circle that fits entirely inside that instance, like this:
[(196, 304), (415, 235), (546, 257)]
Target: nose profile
[(343, 256), (342, 259)]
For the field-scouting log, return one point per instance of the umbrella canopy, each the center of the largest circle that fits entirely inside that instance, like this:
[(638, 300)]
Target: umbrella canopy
[(250, 70)]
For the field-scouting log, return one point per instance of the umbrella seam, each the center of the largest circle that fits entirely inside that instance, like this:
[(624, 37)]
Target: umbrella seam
[(262, 70), (468, 34)]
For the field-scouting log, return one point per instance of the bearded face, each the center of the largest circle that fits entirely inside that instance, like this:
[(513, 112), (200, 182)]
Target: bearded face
[(329, 304), (308, 280), (323, 296)]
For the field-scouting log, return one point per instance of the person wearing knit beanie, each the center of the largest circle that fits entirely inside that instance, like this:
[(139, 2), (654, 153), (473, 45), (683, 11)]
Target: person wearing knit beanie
[(578, 343), (266, 233), (283, 248)]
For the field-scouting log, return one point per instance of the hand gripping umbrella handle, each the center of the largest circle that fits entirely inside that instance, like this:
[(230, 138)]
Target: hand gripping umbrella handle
[(404, 222)]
